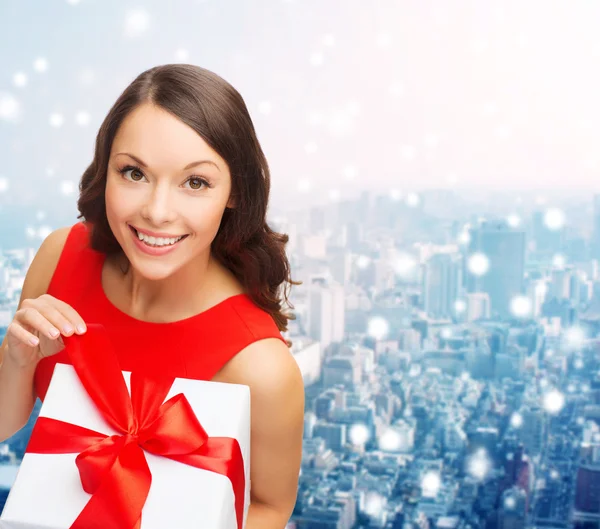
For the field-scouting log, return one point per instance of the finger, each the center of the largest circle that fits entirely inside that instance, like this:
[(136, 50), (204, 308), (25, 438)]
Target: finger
[(67, 311), (21, 334), (52, 313), (32, 317)]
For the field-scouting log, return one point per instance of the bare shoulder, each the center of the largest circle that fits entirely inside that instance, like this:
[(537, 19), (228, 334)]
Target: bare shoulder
[(42, 267), (266, 366)]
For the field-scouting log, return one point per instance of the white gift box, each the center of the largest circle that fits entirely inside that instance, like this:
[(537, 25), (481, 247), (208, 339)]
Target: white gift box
[(47, 492)]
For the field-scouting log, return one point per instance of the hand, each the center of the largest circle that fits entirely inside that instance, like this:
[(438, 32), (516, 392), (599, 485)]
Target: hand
[(29, 335)]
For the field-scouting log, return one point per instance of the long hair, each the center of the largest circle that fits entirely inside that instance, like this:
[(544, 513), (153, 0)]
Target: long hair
[(244, 243)]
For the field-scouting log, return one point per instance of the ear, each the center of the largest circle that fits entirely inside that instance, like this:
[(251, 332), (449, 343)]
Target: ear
[(232, 203)]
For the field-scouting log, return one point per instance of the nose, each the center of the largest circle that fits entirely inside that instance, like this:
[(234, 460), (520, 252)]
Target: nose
[(158, 209)]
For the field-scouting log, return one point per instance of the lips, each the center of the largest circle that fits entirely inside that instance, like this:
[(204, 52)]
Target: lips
[(136, 233)]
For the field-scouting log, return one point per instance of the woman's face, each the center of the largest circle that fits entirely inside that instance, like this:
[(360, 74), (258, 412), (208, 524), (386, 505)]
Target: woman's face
[(152, 188)]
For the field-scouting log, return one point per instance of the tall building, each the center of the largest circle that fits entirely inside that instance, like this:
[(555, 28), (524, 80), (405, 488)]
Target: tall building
[(513, 509), (504, 248), (326, 311), (533, 431), (335, 435), (341, 265), (561, 282), (442, 282), (587, 495), (478, 306)]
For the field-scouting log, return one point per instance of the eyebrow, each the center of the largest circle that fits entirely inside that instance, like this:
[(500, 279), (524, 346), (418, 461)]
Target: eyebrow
[(188, 166)]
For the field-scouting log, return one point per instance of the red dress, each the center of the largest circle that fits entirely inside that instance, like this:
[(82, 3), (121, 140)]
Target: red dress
[(196, 347)]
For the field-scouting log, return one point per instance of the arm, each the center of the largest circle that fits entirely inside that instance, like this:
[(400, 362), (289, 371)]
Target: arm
[(277, 424), (17, 394)]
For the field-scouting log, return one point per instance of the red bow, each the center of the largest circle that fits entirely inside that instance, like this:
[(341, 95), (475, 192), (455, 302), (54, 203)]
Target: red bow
[(113, 468)]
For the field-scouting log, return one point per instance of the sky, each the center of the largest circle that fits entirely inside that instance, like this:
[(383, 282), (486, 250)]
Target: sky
[(346, 95)]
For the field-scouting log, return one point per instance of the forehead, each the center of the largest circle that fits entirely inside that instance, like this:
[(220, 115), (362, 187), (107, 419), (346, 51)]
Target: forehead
[(160, 137)]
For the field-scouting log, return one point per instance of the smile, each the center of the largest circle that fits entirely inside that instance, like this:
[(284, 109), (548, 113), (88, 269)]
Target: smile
[(143, 243)]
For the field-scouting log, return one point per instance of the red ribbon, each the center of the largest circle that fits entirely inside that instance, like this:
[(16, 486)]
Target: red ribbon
[(113, 468)]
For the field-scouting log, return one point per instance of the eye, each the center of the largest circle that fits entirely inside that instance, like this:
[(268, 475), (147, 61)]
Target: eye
[(128, 168), (198, 185), (199, 182)]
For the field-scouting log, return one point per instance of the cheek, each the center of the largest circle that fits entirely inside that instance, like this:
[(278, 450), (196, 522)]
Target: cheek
[(119, 199), (205, 223)]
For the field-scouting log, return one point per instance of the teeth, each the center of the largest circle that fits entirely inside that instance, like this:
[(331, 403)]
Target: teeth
[(157, 241)]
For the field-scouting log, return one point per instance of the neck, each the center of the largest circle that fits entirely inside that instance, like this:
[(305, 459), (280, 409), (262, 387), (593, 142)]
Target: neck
[(177, 295)]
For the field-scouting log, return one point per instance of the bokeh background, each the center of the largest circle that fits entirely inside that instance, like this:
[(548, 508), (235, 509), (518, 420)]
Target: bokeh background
[(435, 164)]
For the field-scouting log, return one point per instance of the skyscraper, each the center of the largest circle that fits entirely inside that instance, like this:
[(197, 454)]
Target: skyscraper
[(504, 248), (326, 311), (442, 282)]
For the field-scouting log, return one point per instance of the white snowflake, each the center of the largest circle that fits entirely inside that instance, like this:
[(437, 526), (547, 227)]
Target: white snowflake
[(40, 65), (378, 327), (478, 264), (56, 119), (363, 261), (374, 503), (521, 307), (358, 434), (430, 484), (396, 195), (20, 79), (137, 22), (82, 118), (10, 108), (514, 221), (554, 219), (554, 401), (412, 200), (67, 187), (460, 306), (464, 238), (516, 420), (404, 264), (390, 440), (182, 55)]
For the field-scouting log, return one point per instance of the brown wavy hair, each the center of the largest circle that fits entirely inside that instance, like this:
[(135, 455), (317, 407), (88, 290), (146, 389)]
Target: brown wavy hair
[(244, 243)]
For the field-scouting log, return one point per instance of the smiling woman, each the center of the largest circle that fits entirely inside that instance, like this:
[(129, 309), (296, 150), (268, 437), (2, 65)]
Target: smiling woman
[(175, 258), (178, 203)]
